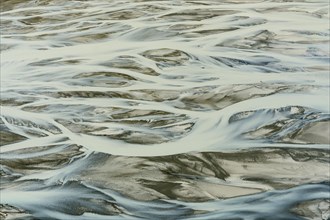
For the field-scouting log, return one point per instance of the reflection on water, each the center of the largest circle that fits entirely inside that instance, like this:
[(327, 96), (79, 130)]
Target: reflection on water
[(169, 109)]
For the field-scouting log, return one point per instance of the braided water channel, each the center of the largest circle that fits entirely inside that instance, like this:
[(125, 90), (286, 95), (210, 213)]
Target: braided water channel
[(172, 109)]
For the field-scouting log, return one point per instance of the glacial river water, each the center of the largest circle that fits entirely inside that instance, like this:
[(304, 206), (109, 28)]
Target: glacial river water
[(168, 109)]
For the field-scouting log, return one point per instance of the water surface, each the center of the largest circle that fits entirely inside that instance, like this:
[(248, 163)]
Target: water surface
[(165, 109)]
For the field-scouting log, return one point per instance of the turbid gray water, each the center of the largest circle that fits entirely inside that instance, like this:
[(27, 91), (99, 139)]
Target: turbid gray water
[(172, 109)]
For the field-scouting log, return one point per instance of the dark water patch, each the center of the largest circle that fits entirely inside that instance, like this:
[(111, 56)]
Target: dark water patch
[(197, 15), (167, 57), (160, 187)]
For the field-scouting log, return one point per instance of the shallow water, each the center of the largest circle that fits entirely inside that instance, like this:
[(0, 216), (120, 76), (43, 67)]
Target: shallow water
[(165, 109)]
